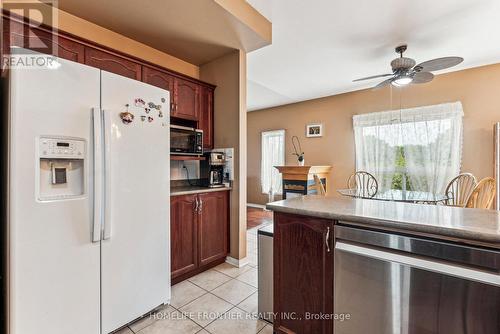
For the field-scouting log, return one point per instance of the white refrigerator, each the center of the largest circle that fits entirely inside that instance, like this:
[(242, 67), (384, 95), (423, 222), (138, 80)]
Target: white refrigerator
[(89, 219)]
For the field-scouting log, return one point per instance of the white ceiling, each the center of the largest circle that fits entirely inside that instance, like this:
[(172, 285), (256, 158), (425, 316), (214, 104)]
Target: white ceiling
[(197, 31), (320, 46)]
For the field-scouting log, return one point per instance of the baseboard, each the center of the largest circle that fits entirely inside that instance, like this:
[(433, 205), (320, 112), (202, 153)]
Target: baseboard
[(253, 205), (237, 263)]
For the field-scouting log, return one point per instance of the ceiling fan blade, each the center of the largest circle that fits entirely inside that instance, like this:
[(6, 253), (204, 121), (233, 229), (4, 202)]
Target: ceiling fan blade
[(422, 77), (383, 83), (373, 77), (439, 64)]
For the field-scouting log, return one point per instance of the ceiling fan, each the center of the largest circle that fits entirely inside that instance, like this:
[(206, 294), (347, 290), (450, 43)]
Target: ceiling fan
[(405, 71)]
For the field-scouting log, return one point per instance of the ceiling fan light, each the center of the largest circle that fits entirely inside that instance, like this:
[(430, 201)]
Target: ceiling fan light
[(402, 80)]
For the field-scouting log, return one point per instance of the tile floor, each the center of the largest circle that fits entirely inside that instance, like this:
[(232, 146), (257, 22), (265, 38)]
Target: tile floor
[(222, 300)]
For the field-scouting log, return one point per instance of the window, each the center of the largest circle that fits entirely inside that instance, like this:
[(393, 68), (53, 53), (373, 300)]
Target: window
[(273, 154), (411, 149)]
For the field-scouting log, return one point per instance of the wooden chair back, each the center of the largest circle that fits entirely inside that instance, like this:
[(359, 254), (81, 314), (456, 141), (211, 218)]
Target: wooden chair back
[(483, 194), (459, 189), (320, 188), (364, 183)]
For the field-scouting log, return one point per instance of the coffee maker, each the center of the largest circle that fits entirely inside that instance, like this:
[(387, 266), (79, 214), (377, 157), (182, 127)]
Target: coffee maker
[(212, 169)]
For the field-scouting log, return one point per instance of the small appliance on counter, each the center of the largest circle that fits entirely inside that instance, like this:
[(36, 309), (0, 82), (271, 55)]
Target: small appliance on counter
[(212, 169)]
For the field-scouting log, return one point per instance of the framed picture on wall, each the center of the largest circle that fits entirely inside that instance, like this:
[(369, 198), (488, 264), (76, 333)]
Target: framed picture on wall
[(314, 130)]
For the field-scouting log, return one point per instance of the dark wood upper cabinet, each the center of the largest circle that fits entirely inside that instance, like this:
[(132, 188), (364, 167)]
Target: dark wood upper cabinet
[(187, 99), (17, 34), (206, 122), (160, 79), (109, 62), (308, 245), (183, 234), (213, 226), (190, 99)]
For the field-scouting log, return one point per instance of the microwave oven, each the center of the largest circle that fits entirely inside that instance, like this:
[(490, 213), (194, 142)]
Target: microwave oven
[(185, 140)]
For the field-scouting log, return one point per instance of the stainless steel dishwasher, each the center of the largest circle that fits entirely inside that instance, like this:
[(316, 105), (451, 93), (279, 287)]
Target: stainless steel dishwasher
[(265, 272), (397, 284)]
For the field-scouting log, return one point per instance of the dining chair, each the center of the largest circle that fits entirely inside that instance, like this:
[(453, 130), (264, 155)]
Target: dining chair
[(364, 183), (459, 189), (483, 194), (320, 187)]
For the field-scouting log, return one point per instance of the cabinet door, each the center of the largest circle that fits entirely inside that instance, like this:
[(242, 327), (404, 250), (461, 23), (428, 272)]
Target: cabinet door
[(17, 34), (160, 79), (112, 63), (207, 116), (183, 234), (303, 269), (187, 102), (213, 226)]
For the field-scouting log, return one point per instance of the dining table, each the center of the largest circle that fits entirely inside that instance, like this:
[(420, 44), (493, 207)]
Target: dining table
[(408, 196)]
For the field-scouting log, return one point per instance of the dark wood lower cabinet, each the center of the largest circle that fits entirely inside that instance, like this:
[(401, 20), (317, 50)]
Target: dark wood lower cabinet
[(183, 231), (199, 229), (303, 279), (212, 227)]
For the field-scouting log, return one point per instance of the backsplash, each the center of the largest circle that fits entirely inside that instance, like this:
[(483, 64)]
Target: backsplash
[(177, 172)]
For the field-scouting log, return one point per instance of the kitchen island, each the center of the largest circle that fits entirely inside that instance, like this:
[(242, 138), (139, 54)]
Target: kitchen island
[(366, 266)]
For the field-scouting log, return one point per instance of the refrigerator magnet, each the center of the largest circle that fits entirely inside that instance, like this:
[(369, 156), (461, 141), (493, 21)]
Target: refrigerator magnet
[(150, 119), (143, 118), (163, 100), (160, 114), (139, 102), (147, 110), (127, 117), (151, 105)]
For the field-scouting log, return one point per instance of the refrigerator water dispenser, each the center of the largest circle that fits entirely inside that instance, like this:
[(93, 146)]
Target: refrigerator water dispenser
[(61, 168)]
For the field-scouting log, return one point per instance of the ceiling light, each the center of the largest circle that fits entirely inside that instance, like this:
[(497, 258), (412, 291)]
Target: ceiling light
[(402, 80)]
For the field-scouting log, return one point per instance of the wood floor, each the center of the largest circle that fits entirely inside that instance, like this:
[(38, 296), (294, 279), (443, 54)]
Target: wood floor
[(256, 217)]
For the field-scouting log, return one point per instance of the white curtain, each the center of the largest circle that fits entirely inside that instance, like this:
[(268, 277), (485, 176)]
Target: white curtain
[(273, 154), (376, 137), (429, 138)]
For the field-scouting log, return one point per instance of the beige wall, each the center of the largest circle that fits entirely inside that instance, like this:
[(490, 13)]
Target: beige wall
[(477, 89), (229, 74)]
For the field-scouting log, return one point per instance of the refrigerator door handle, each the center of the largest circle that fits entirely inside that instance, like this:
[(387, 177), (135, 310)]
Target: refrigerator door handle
[(97, 158), (107, 175)]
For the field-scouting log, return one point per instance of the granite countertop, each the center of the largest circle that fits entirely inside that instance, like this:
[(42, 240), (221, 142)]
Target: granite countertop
[(188, 190), (473, 226)]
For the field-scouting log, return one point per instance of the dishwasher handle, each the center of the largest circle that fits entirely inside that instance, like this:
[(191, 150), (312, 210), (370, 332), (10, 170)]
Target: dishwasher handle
[(419, 263)]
